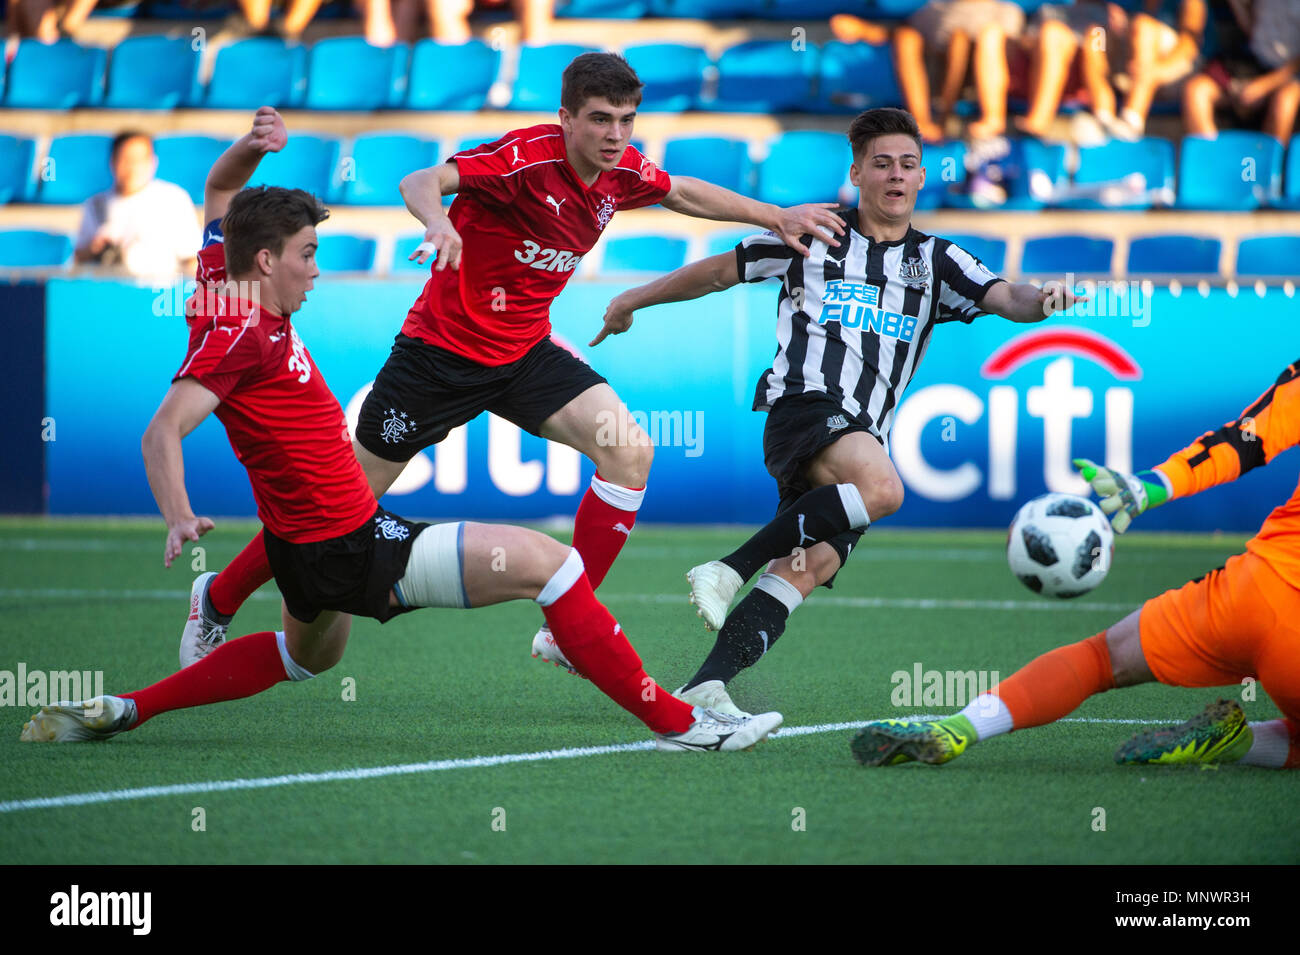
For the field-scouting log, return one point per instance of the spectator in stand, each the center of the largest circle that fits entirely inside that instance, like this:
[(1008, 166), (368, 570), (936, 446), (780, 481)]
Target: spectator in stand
[(1255, 76), (390, 21), (144, 226), (1161, 53), (945, 32)]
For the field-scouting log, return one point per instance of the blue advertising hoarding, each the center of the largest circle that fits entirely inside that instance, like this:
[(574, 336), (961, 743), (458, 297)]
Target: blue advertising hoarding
[(991, 419)]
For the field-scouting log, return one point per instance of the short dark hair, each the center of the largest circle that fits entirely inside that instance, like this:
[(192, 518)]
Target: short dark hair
[(265, 217), (124, 137), (606, 75), (885, 121)]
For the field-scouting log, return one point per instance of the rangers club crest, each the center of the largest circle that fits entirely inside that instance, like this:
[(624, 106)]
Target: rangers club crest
[(605, 212), (914, 273), (391, 529), (396, 426)]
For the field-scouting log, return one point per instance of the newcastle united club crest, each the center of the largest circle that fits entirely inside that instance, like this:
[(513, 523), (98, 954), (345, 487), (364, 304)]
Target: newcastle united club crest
[(914, 273)]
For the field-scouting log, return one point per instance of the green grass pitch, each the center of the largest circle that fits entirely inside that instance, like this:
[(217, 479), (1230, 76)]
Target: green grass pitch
[(435, 689)]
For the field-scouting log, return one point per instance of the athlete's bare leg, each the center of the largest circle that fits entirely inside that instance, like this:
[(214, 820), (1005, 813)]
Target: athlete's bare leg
[(1124, 643), (318, 645), (380, 472), (860, 460), (598, 424)]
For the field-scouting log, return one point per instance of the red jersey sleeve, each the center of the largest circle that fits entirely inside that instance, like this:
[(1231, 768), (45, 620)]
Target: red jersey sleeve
[(221, 355), (649, 186), (486, 171)]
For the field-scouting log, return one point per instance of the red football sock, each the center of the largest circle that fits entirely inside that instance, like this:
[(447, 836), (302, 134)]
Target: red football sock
[(594, 643), (248, 571), (1054, 684), (234, 670), (603, 525)]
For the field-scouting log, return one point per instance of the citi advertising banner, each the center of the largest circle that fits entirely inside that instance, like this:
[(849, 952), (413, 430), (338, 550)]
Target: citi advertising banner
[(992, 418)]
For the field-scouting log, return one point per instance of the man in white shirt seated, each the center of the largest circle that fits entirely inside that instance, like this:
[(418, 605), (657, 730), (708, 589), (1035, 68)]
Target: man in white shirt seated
[(144, 226)]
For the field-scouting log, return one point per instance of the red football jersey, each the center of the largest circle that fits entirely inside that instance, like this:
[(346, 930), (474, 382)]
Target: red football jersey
[(526, 221), (283, 422)]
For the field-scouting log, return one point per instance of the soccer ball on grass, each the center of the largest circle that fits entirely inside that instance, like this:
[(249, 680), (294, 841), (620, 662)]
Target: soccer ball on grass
[(1060, 545)]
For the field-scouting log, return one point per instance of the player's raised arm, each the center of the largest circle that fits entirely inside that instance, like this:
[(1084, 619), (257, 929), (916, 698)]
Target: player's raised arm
[(1267, 427), (695, 197), (422, 191), (714, 274), (183, 408), (1023, 302), (236, 165)]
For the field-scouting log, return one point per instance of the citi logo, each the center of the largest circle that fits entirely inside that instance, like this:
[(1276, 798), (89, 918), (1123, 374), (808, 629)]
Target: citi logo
[(75, 907)]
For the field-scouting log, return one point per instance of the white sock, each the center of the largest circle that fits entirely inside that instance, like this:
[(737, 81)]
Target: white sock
[(562, 579), (292, 669), (615, 495), (856, 510), (989, 715), (780, 588), (1270, 747)]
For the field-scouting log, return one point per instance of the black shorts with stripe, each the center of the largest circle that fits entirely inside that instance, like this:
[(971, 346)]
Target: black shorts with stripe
[(423, 392), (798, 428), (352, 573)]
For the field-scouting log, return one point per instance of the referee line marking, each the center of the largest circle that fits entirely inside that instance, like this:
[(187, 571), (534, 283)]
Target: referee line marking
[(827, 600), (409, 769)]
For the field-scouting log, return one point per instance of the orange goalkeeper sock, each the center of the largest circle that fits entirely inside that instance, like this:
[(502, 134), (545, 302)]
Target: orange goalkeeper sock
[(1053, 685)]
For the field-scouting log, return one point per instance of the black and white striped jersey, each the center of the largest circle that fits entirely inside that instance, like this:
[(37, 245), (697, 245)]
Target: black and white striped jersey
[(853, 321)]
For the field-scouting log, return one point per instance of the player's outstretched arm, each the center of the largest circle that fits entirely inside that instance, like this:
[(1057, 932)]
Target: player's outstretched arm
[(422, 191), (236, 165), (695, 197), (1026, 303), (183, 408), (714, 274)]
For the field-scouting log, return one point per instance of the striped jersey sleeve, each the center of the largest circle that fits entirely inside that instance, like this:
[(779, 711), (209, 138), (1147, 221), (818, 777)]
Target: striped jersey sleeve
[(963, 282), (764, 256), (1264, 430)]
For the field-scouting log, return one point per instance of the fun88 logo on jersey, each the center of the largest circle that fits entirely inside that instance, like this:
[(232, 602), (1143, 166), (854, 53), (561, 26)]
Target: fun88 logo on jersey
[(856, 306)]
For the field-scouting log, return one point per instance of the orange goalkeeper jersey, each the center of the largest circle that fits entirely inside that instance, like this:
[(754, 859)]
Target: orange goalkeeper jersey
[(1265, 429)]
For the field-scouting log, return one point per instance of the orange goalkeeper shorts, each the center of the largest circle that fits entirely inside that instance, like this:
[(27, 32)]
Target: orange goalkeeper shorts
[(1240, 621)]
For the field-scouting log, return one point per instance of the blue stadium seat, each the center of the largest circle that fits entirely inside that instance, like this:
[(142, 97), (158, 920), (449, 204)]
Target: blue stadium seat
[(1291, 187), (1151, 158), (340, 252), (185, 160), (29, 248), (803, 11), (378, 163), (1174, 255), (17, 154), (992, 252), (75, 168), (703, 9), (728, 239), (346, 72), (1030, 162), (723, 162), (259, 71), (55, 77), (1269, 255), (153, 72), (898, 9), (672, 75), (643, 253), (537, 86), (945, 165), (804, 166), (451, 77), (402, 250), (602, 9), (856, 76), (187, 10), (1235, 170), (1058, 254), (765, 76), (306, 162)]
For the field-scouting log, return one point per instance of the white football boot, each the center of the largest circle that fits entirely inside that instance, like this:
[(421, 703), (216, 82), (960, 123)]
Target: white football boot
[(716, 732), (545, 647), (713, 587), (202, 634), (712, 695), (97, 719)]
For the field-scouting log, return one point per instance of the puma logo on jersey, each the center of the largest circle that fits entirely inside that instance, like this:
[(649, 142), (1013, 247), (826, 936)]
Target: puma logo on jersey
[(276, 337), (516, 159), (550, 200)]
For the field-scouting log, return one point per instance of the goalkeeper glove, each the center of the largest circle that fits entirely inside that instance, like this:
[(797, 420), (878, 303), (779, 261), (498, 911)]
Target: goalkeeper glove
[(1124, 497)]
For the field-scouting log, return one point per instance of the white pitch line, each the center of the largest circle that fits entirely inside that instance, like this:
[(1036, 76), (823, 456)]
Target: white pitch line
[(826, 600), (407, 769)]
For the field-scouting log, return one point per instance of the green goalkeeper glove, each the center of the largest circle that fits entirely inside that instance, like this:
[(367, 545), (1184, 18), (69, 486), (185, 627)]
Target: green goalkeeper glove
[(1123, 497)]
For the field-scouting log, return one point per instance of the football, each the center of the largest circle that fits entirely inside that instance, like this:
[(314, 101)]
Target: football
[(1060, 545)]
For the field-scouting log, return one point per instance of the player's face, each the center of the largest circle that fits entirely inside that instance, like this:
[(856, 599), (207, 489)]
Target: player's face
[(888, 178), (596, 137), (294, 272), (133, 166)]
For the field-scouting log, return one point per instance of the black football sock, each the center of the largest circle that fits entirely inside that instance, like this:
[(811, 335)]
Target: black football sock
[(750, 631), (819, 515)]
